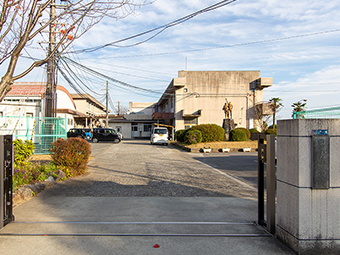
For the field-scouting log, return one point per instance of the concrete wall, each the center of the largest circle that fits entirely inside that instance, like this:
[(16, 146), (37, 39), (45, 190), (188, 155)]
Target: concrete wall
[(146, 108), (125, 128), (207, 90), (81, 105), (308, 220)]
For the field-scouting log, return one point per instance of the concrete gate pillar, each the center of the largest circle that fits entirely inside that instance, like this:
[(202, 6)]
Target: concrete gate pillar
[(308, 185)]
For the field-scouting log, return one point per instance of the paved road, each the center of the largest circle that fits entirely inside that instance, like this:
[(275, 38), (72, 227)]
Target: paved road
[(137, 195), (137, 168)]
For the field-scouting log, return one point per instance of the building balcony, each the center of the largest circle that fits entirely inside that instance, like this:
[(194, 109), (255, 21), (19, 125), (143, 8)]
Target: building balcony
[(163, 115), (264, 108)]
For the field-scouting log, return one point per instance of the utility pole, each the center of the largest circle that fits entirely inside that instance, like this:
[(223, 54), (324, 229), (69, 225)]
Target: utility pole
[(50, 97), (107, 104)]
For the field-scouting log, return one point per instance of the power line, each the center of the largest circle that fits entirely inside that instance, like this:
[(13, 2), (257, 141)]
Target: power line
[(229, 46), (161, 28), (121, 83)]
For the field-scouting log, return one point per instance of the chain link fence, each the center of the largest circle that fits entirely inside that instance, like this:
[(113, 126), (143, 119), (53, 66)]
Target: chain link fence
[(42, 131)]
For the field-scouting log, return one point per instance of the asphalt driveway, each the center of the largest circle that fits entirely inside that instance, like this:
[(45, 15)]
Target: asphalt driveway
[(137, 195)]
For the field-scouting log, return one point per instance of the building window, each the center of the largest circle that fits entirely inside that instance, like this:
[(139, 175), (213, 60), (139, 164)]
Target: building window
[(147, 127), (188, 123), (29, 114), (171, 102), (134, 128)]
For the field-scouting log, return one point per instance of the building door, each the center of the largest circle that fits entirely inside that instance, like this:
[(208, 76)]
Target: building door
[(134, 130)]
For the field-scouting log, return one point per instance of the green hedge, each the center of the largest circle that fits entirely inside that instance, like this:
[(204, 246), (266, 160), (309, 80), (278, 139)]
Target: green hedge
[(210, 132), (193, 137), (271, 131), (180, 134), (253, 130), (237, 134), (72, 153), (246, 131)]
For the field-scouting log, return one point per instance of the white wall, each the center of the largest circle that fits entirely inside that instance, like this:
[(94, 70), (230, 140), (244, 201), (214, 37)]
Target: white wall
[(125, 129), (64, 101)]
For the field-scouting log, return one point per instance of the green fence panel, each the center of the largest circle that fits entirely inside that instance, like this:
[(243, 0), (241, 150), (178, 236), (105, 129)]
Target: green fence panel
[(42, 131), (323, 113)]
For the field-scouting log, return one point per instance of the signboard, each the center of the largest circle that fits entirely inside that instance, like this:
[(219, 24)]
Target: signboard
[(320, 160)]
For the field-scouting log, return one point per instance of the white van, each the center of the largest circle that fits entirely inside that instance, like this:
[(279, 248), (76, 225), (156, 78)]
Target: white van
[(159, 135)]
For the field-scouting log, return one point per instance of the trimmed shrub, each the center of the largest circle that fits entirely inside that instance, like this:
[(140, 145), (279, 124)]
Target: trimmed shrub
[(210, 132), (237, 134), (246, 131), (271, 131), (193, 137), (22, 151), (72, 153), (179, 135), (253, 130)]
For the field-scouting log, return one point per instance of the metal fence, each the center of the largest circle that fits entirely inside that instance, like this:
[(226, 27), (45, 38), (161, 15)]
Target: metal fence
[(42, 131), (323, 113)]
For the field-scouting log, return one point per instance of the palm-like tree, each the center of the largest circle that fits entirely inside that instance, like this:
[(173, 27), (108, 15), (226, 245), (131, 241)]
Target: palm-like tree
[(275, 103), (299, 107)]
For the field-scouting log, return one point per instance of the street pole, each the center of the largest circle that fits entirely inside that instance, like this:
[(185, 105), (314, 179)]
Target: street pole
[(51, 86), (107, 104)]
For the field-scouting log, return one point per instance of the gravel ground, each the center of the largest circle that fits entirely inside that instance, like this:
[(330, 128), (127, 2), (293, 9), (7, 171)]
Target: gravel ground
[(135, 168)]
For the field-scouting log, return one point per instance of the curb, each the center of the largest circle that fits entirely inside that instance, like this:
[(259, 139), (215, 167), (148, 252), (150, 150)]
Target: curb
[(213, 150), (29, 190)]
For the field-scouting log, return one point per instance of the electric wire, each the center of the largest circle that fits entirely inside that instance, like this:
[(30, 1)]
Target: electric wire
[(76, 78), (161, 28), (228, 46), (120, 83)]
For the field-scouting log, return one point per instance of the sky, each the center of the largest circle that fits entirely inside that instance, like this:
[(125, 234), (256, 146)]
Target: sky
[(295, 42)]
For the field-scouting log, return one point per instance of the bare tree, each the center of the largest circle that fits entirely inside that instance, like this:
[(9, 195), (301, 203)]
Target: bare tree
[(263, 113), (22, 21)]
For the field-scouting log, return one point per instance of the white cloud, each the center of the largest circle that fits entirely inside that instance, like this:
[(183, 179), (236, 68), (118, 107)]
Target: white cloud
[(320, 88), (292, 63)]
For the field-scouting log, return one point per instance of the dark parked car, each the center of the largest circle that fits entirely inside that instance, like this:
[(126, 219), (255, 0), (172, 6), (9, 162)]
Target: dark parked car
[(106, 134), (76, 132)]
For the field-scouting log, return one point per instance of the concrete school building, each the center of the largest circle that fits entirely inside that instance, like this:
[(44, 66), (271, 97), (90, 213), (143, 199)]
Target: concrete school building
[(198, 97), (27, 99)]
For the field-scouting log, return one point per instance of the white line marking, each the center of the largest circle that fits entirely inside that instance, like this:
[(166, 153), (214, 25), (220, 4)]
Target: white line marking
[(229, 176)]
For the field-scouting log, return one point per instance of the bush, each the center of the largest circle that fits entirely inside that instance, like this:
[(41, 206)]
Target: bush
[(271, 131), (246, 131), (193, 137), (272, 127), (180, 134), (253, 130), (210, 132), (238, 134), (22, 151), (72, 153)]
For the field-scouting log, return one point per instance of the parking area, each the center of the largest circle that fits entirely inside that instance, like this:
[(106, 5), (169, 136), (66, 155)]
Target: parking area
[(137, 195), (137, 168)]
